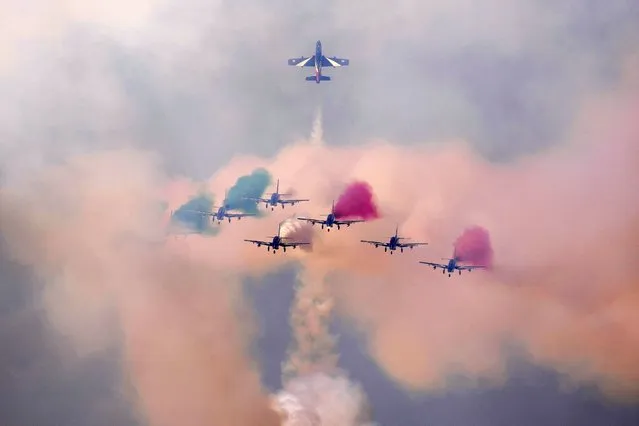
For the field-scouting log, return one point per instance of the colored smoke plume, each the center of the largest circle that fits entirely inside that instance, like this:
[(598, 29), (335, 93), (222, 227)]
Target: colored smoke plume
[(186, 219), (84, 231), (356, 202), (250, 186), (473, 247), (576, 310)]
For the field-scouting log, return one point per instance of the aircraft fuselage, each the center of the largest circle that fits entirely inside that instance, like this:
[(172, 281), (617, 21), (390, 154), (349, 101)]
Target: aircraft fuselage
[(452, 264), (330, 220), (318, 61), (392, 244), (275, 244), (221, 212), (274, 199)]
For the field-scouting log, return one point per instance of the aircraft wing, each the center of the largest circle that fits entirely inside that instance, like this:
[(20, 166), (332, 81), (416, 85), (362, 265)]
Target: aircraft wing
[(200, 212), (238, 214), (409, 245), (346, 222), (313, 221), (292, 201), (470, 267), (293, 244), (334, 61), (375, 243), (302, 61), (260, 243), (259, 200), (434, 265)]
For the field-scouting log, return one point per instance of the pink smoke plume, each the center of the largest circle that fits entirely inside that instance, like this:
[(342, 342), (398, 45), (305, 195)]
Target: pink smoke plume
[(356, 201), (473, 246)]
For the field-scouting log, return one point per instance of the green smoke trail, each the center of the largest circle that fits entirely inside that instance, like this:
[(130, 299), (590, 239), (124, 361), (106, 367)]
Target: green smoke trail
[(249, 186), (197, 223)]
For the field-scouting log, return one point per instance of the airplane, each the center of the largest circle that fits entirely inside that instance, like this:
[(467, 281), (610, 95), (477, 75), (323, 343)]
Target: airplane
[(276, 242), (275, 198), (394, 243), (452, 265), (222, 212), (330, 220), (318, 60)]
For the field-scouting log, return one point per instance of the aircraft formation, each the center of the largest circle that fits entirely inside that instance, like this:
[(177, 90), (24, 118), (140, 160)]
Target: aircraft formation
[(276, 242), (318, 60)]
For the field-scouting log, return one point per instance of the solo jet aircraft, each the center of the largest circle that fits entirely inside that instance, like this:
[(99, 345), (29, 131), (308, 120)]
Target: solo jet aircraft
[(318, 60), (453, 266), (394, 243), (275, 199), (276, 242), (330, 220)]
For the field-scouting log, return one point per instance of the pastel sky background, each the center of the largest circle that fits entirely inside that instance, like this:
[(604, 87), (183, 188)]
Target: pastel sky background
[(203, 83)]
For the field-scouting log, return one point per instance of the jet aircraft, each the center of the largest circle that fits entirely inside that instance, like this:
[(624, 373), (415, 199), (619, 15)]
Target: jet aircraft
[(276, 242), (330, 220), (394, 243), (318, 60), (223, 212), (453, 266), (275, 199)]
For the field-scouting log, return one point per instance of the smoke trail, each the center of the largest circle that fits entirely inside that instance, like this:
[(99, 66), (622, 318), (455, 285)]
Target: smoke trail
[(249, 186), (296, 230), (323, 400), (317, 132), (313, 347), (356, 202), (84, 230), (554, 276), (473, 246), (186, 216), (315, 390)]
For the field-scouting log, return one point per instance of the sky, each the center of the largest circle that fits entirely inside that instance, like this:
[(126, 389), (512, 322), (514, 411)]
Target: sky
[(517, 116)]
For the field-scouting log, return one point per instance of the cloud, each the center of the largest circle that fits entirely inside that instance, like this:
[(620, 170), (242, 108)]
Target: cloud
[(553, 278), (250, 186), (180, 78), (90, 234), (86, 89)]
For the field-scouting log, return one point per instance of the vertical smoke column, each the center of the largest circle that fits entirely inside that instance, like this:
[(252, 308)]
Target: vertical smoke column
[(316, 392), (317, 133), (313, 348)]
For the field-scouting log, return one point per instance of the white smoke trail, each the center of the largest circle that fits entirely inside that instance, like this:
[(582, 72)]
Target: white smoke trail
[(317, 132), (316, 391), (323, 400), (298, 231)]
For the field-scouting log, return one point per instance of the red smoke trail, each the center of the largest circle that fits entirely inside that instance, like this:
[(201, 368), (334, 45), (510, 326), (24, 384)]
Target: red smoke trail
[(356, 201), (473, 246)]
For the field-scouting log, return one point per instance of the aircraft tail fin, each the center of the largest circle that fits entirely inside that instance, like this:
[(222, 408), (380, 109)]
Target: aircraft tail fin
[(322, 78)]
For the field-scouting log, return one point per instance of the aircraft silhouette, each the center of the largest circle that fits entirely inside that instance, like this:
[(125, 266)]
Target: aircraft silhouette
[(453, 265), (275, 199), (318, 60), (394, 243), (276, 242), (222, 212), (330, 220)]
